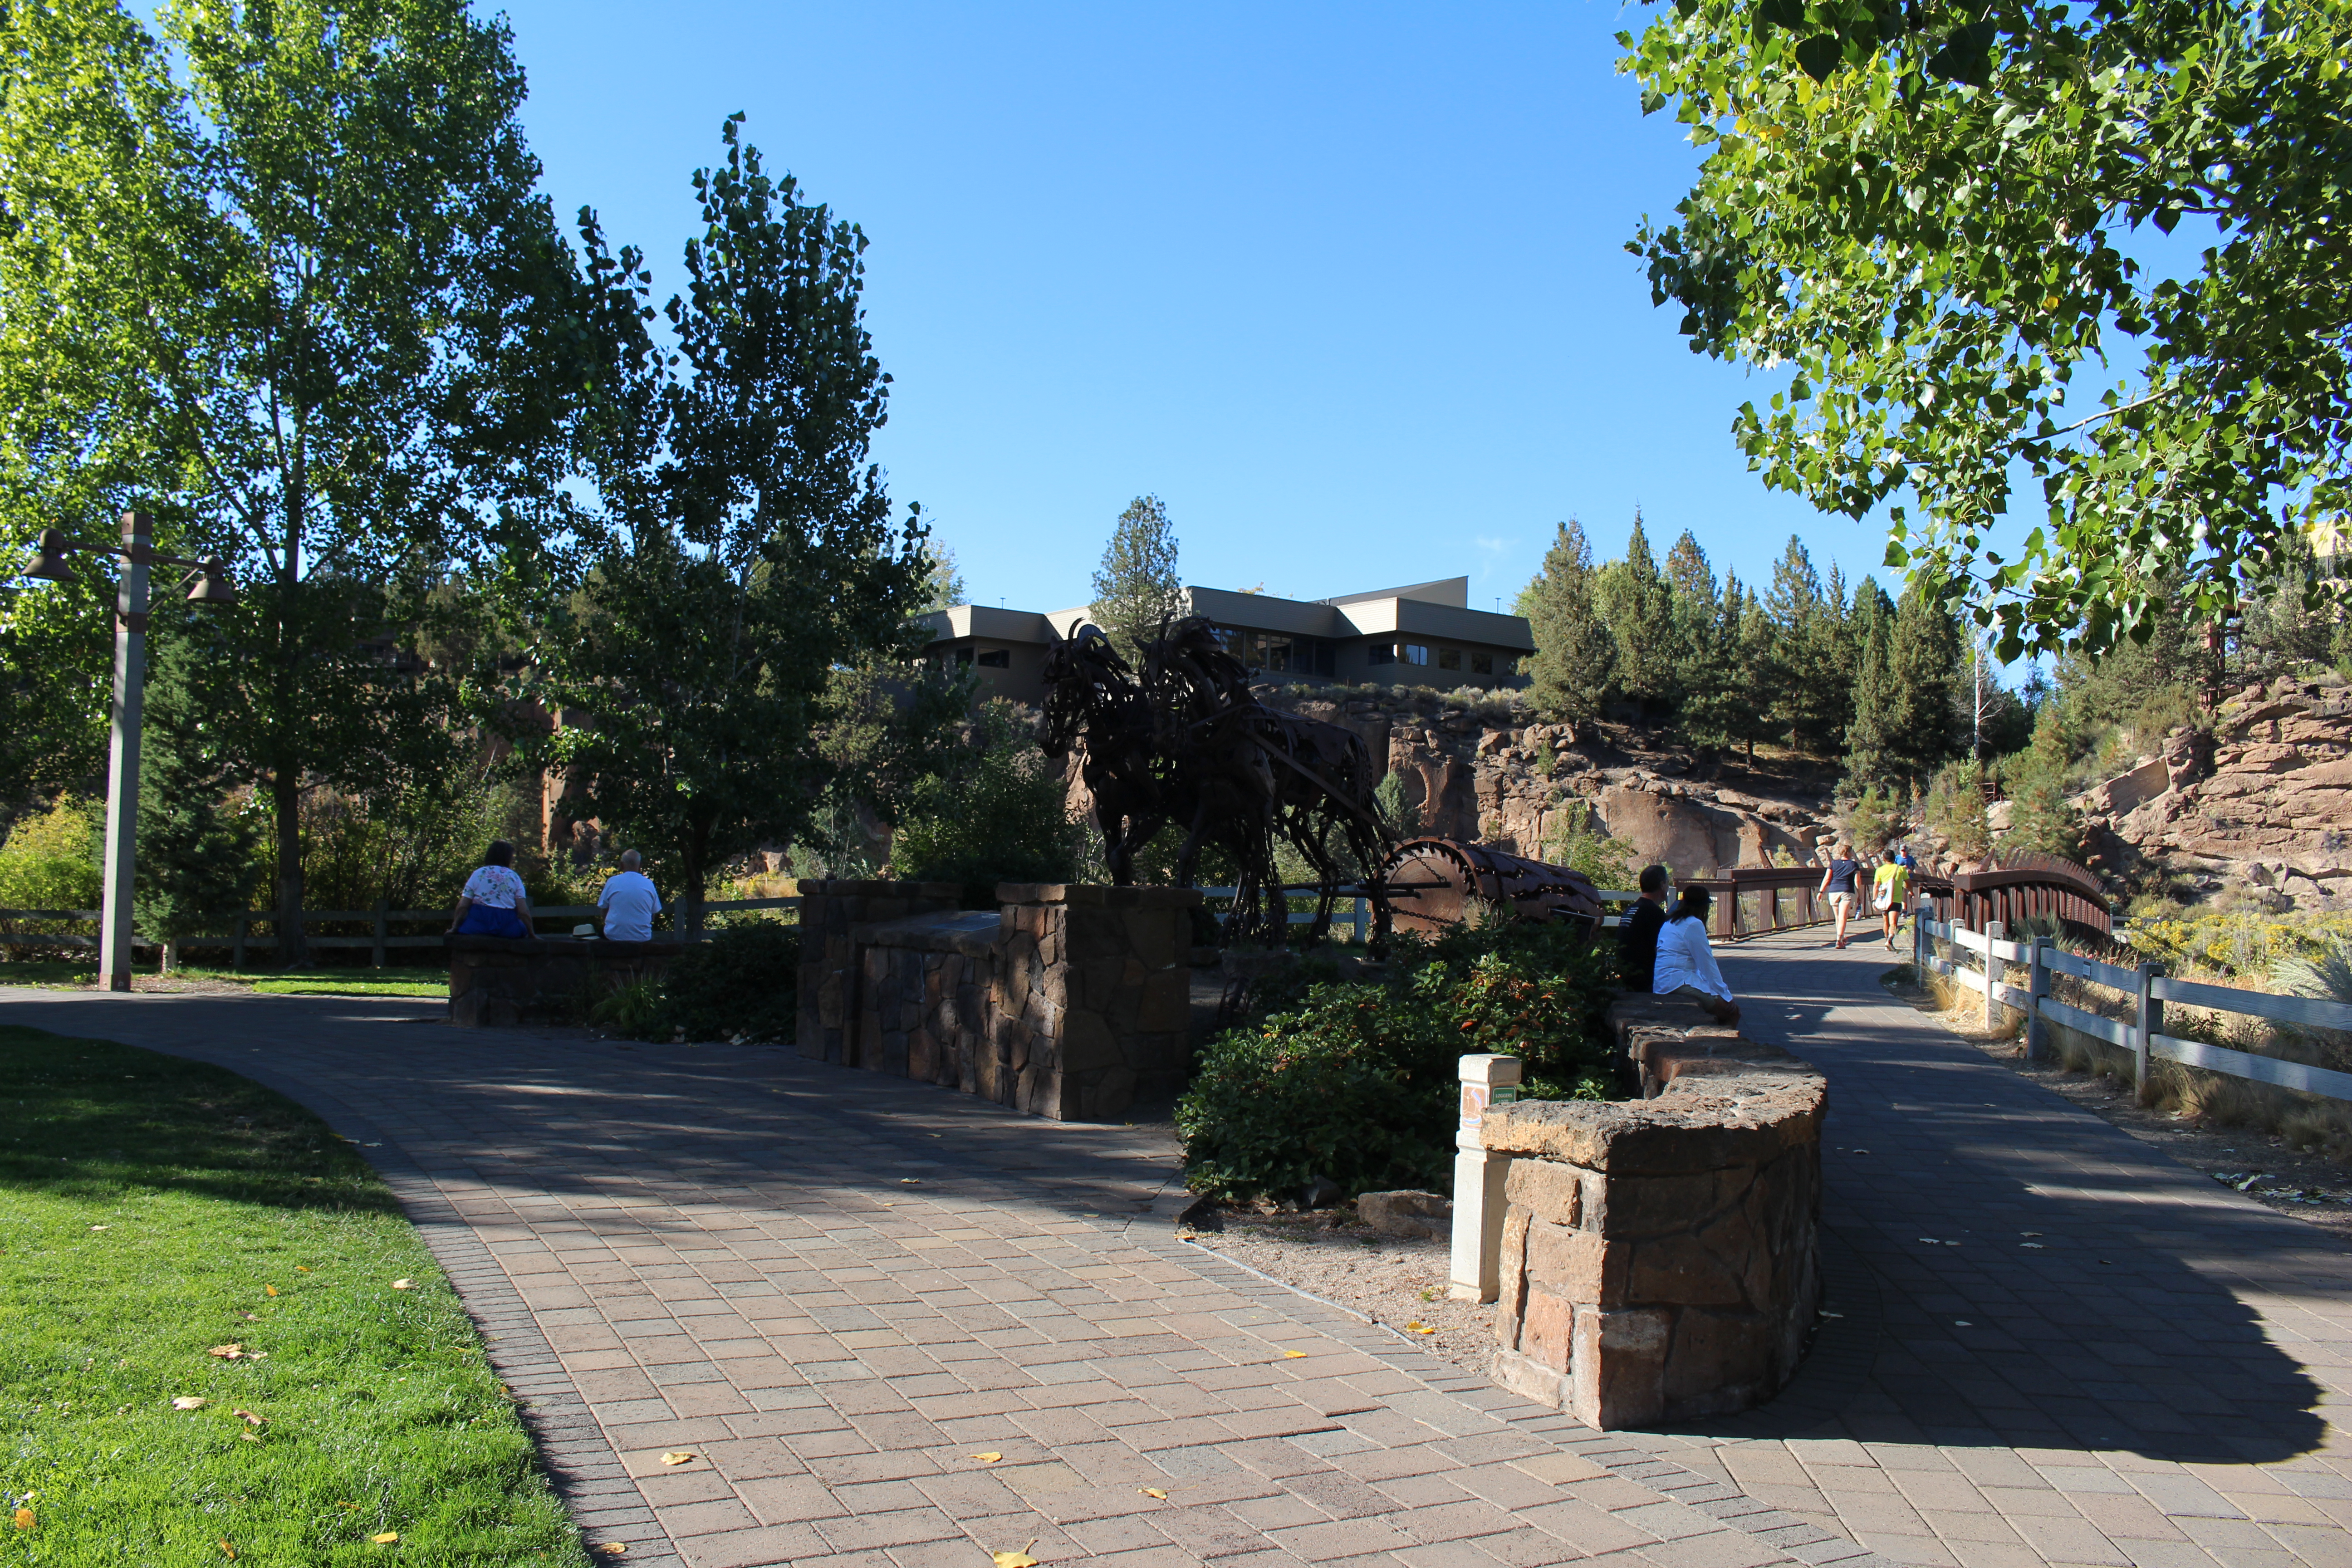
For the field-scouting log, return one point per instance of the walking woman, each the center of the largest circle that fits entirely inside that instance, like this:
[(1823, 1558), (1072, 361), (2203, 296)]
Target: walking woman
[(1837, 881), (493, 902)]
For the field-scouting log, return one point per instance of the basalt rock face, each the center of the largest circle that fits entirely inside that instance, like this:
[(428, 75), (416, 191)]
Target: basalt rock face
[(1514, 783), (2262, 802)]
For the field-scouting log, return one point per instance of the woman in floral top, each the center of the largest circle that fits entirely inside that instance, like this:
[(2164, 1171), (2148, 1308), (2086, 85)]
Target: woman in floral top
[(493, 902)]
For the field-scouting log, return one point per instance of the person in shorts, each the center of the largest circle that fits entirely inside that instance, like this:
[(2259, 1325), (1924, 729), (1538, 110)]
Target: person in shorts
[(1838, 882), (626, 907), (493, 902), (1890, 886)]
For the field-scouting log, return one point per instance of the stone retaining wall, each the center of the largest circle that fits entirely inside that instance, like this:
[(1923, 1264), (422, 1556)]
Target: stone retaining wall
[(1660, 1257), (498, 982), (1068, 1002)]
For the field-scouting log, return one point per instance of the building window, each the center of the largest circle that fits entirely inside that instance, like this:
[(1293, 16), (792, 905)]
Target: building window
[(1482, 664), (1449, 658), (963, 656), (1414, 653), (1381, 653), (996, 658)]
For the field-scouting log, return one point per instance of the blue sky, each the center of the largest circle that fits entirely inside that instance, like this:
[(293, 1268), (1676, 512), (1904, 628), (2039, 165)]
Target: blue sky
[(1344, 286)]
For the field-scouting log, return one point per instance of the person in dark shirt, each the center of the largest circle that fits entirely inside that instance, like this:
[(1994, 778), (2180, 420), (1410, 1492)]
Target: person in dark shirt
[(1637, 938)]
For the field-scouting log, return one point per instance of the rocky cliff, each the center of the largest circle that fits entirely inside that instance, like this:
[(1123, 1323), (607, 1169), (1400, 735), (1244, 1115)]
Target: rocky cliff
[(1497, 775), (2261, 803)]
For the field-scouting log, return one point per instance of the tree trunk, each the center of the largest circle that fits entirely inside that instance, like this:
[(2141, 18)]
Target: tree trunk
[(286, 799), (171, 954)]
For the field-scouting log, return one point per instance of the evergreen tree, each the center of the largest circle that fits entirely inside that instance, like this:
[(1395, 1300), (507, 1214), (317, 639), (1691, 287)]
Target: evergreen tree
[(195, 865), (1874, 734), (1717, 689), (1695, 612), (1809, 679), (1751, 717), (1637, 606), (1923, 647), (1136, 587), (1574, 657)]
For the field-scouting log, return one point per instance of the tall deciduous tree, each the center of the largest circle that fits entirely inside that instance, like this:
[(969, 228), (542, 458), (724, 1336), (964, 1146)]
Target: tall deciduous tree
[(745, 546), (1571, 672), (1927, 213), (1136, 586), (294, 301)]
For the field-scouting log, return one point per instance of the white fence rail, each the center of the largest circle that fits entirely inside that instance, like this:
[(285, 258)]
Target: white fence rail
[(2150, 988), (240, 939)]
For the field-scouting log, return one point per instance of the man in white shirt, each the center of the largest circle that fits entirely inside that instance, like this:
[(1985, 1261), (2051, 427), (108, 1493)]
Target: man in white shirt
[(1686, 965), (627, 907)]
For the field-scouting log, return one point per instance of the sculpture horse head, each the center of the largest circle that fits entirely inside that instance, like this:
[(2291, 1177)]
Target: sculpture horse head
[(1081, 675)]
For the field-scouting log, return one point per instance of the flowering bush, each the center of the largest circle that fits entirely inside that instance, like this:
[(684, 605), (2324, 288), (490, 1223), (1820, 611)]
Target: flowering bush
[(1357, 1080)]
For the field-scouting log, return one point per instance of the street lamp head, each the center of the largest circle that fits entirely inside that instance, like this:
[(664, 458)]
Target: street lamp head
[(50, 558), (212, 586)]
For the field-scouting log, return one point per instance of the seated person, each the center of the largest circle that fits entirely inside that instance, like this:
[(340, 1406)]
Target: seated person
[(1686, 965), (627, 907), (1637, 938), (493, 902)]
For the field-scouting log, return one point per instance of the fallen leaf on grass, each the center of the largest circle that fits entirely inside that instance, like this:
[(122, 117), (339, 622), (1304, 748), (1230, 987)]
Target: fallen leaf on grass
[(352, 1506), (250, 1317), (988, 1458), (680, 1457), (190, 1402), (226, 1547), (97, 1227), (301, 1269), (1019, 1558), (24, 1520), (1153, 1492), (404, 1284), (389, 1537), (250, 1418), (269, 1290), (250, 1437), (228, 1352)]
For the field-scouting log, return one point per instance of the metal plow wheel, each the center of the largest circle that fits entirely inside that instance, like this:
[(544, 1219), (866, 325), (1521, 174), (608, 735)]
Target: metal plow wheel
[(1434, 883)]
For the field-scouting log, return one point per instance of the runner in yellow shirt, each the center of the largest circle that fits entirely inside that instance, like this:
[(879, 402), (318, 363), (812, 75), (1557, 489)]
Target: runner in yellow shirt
[(1888, 885)]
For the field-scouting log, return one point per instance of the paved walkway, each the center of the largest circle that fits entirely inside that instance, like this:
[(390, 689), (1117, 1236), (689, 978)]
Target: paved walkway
[(895, 1325), (2057, 1345), (837, 1289)]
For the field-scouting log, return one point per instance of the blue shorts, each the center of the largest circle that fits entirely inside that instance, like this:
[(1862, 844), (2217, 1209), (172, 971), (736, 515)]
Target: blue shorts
[(483, 920)]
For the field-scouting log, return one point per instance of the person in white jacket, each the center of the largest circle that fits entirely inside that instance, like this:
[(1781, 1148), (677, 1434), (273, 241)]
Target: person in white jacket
[(1686, 964)]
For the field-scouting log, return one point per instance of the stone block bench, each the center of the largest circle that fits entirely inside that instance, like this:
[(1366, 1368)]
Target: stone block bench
[(498, 982), (1660, 1257)]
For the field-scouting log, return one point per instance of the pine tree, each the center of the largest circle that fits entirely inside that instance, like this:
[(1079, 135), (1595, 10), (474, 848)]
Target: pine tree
[(1874, 735), (1637, 605), (1573, 660), (1924, 650), (1717, 691), (1136, 587), (1753, 719), (196, 866)]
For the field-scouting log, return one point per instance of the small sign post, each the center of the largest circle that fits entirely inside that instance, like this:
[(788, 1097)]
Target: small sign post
[(1478, 1172)]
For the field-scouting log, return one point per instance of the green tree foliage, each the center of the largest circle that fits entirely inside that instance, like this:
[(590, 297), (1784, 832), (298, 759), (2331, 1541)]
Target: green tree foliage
[(282, 277), (52, 858), (1926, 213), (999, 813), (1636, 605), (744, 548), (1574, 661), (1136, 586), (196, 854), (1924, 643), (1876, 731), (1809, 677), (1578, 844), (943, 587), (1956, 808)]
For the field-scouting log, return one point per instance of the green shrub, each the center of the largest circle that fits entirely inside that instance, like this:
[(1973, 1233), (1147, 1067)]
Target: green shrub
[(743, 981), (1574, 842), (999, 814), (1356, 1080), (53, 861)]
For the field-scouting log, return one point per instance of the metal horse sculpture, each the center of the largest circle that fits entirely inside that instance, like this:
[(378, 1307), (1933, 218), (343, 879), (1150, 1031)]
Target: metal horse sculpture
[(1184, 741)]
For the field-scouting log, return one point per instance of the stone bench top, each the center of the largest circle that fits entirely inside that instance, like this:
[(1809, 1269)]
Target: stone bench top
[(973, 932)]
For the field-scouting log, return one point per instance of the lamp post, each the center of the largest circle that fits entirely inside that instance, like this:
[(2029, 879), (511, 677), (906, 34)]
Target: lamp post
[(211, 587)]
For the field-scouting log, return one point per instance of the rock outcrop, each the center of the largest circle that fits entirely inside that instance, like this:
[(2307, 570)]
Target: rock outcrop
[(2262, 802)]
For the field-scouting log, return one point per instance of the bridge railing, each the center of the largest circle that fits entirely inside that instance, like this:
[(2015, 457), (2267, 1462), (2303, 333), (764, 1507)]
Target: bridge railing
[(1979, 961)]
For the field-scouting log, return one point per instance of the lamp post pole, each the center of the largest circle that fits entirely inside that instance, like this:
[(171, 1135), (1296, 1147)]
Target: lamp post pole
[(122, 751)]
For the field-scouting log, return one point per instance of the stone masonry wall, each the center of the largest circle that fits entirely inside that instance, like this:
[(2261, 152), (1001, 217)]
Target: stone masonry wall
[(1067, 1002), (1661, 1256)]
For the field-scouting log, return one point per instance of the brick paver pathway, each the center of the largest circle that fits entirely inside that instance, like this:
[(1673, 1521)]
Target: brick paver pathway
[(2057, 1345), (837, 1290)]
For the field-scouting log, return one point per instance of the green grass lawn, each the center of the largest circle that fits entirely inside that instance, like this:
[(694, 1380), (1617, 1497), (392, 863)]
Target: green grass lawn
[(153, 1210), (352, 982)]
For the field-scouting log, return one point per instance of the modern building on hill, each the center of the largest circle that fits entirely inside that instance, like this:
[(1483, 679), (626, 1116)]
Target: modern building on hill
[(1424, 634)]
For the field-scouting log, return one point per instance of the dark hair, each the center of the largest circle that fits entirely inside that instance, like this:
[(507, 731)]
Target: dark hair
[(500, 853), (1654, 878), (1695, 903)]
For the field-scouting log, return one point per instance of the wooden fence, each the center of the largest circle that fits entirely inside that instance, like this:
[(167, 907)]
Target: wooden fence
[(2147, 987), (379, 940)]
